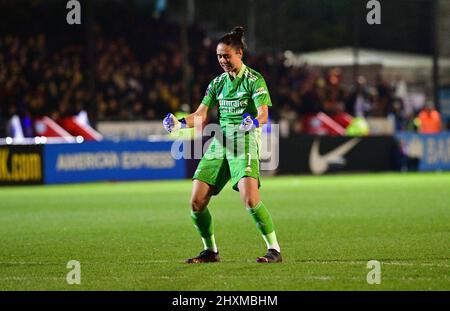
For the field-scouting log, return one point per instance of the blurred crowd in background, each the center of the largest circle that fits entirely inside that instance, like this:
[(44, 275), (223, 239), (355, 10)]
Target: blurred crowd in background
[(142, 79)]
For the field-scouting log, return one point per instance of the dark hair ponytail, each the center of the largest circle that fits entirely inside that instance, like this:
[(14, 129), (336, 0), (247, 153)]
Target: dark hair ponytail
[(235, 38)]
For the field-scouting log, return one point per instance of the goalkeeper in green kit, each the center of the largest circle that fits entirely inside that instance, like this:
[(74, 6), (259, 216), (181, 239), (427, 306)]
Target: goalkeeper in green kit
[(243, 100)]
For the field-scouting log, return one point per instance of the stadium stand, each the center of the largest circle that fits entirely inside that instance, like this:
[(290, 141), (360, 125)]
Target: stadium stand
[(140, 78)]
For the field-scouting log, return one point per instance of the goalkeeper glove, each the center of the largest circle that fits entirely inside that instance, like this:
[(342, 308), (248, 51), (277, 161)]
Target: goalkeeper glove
[(248, 123), (171, 124)]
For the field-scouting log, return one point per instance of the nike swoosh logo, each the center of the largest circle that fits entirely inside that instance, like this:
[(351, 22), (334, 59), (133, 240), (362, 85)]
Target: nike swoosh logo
[(319, 163)]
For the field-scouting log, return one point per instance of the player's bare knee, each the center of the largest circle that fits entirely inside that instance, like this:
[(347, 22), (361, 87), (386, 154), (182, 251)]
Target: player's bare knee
[(250, 201), (198, 204)]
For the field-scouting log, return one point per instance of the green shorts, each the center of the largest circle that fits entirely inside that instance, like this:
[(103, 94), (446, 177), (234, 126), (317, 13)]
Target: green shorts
[(233, 155)]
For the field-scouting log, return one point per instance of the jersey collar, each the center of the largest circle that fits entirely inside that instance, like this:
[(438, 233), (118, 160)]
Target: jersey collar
[(240, 74)]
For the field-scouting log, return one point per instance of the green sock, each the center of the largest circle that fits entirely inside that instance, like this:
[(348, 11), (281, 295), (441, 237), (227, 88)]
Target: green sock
[(204, 224), (261, 217)]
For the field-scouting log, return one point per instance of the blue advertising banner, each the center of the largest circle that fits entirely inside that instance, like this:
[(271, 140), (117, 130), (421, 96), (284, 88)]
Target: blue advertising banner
[(110, 161), (431, 150)]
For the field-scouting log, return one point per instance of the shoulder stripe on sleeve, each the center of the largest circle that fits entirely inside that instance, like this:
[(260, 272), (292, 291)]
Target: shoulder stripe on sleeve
[(250, 76), (220, 78)]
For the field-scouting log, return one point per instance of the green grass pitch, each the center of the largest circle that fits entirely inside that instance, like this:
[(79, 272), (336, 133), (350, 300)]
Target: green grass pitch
[(135, 236)]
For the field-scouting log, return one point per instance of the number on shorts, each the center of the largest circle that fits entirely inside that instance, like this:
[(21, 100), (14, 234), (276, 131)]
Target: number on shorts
[(249, 169)]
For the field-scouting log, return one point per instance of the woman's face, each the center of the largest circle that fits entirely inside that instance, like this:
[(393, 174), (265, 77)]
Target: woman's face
[(229, 58)]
